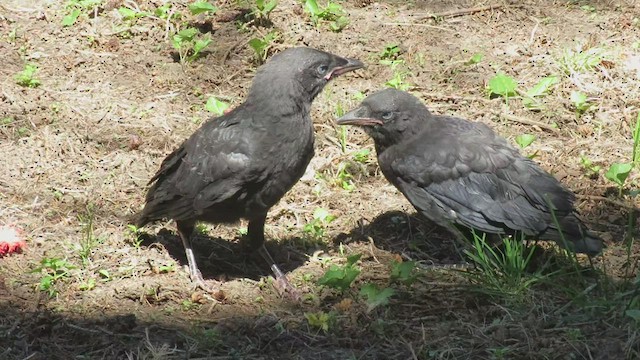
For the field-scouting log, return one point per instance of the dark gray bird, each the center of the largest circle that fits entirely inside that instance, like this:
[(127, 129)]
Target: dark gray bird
[(240, 164), (456, 172)]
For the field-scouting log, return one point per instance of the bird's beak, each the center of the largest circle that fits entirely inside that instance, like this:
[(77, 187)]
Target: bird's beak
[(358, 117), (352, 64)]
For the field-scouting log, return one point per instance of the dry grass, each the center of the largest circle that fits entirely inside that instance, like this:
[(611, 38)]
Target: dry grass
[(113, 103)]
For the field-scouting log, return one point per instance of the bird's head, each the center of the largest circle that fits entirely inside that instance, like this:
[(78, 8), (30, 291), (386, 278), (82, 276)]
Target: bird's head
[(388, 116), (306, 68)]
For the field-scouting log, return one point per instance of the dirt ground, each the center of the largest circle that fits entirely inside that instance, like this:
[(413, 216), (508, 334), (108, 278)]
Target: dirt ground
[(78, 149)]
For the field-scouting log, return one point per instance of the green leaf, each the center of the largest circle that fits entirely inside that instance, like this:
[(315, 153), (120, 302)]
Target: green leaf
[(200, 7), (403, 272), (270, 6), (476, 58), (311, 6), (127, 13), (579, 100), (339, 24), (503, 85), (318, 320), (186, 34), (201, 45), (618, 172), (543, 86), (633, 313), (524, 140), (341, 277), (635, 157), (375, 296), (71, 18), (216, 106)]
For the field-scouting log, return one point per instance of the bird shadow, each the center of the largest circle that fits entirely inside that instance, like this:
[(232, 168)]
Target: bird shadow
[(409, 235), (227, 259)]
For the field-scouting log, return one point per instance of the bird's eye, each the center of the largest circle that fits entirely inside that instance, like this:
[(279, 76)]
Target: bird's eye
[(322, 69), (387, 115)]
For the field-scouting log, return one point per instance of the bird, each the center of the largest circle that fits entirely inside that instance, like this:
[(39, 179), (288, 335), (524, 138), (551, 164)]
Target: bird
[(238, 165), (459, 173)]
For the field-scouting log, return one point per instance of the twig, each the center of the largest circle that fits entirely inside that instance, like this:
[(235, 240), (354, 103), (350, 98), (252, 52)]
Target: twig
[(467, 11), (418, 25), (526, 121), (605, 199)]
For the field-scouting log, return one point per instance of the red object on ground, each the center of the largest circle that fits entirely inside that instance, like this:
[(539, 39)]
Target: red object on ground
[(10, 240)]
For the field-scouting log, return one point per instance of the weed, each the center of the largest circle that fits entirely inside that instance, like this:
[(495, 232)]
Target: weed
[(75, 8), (475, 59), (398, 80), (344, 177), (391, 55), (580, 102), (261, 46), (263, 9), (216, 106), (590, 168), (375, 296), (26, 77), (341, 277), (136, 233), (524, 141), (189, 45), (619, 172), (403, 272), (362, 156), (320, 320), (200, 7), (316, 228), (571, 62), (542, 88), (87, 285), (129, 14), (502, 272), (502, 85), (88, 242), (53, 270), (333, 13)]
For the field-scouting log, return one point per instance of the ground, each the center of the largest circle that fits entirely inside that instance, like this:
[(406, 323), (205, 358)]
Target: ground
[(114, 99)]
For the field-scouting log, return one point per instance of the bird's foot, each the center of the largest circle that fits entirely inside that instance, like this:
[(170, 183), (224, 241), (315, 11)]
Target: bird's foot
[(283, 286)]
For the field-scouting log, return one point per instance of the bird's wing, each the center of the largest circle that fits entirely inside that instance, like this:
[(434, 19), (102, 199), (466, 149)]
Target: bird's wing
[(478, 180), (209, 167)]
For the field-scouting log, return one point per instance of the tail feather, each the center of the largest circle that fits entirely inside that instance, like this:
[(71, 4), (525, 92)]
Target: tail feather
[(575, 236)]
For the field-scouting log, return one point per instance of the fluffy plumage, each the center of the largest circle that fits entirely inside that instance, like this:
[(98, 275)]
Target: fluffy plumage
[(240, 164), (458, 172)]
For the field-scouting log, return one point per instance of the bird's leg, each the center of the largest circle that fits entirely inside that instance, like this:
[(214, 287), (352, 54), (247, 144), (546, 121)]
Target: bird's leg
[(255, 232), (185, 230)]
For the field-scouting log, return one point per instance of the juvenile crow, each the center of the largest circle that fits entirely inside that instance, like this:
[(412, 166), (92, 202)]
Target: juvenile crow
[(456, 172), (240, 164)]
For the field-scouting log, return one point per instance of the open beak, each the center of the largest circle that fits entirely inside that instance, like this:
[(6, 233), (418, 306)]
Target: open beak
[(358, 117), (352, 64)]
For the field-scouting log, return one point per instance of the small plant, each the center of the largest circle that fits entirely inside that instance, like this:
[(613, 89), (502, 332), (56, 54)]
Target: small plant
[(201, 7), (261, 46), (216, 106), (316, 228), (571, 62), (375, 296), (320, 320), (502, 272), (619, 172), (189, 45), (362, 156), (398, 80), (403, 272), (341, 277), (88, 242), (54, 270), (75, 8), (542, 88), (136, 232), (590, 168), (27, 77), (333, 13), (475, 59), (263, 9), (391, 55), (129, 14), (502, 85), (524, 141), (345, 179), (580, 102)]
